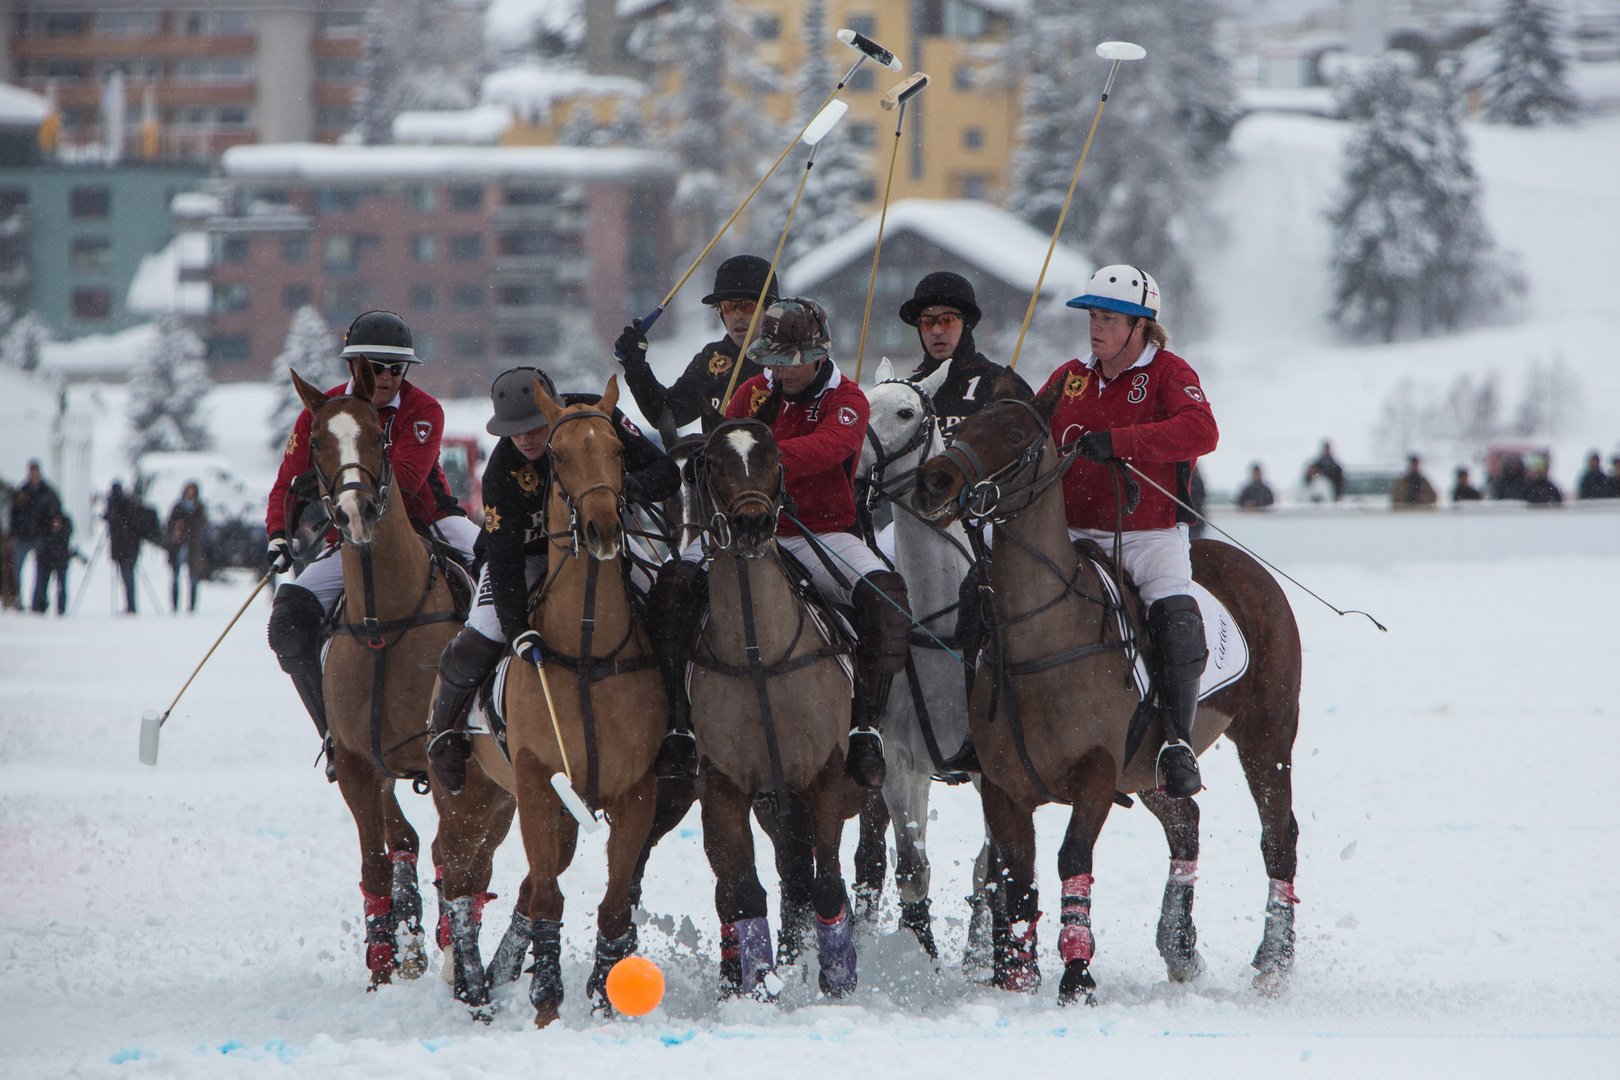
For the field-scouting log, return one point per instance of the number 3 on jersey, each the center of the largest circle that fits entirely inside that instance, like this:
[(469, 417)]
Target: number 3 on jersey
[(1138, 392)]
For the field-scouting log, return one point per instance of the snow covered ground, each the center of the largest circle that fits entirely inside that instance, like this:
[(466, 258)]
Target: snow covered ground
[(1452, 785)]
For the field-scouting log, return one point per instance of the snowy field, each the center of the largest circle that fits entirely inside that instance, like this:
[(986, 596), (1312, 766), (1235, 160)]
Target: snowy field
[(201, 919)]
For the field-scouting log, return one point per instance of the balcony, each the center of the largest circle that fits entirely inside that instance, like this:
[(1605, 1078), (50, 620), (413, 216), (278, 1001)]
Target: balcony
[(93, 47)]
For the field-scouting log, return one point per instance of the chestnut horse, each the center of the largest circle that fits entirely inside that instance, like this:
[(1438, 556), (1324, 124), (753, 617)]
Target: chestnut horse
[(1051, 708), (611, 711), (378, 677)]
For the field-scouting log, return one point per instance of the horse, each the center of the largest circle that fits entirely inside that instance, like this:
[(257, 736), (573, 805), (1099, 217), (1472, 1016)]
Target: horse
[(771, 697), (378, 676), (1055, 725), (610, 707)]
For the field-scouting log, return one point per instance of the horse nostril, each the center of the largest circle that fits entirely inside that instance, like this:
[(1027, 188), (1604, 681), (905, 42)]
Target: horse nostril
[(934, 481)]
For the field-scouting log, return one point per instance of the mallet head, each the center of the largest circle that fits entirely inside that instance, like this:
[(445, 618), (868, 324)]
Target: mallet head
[(904, 91), (1120, 50), (872, 49), (824, 120)]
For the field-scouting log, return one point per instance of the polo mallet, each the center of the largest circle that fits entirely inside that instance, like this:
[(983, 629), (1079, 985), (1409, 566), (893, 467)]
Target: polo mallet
[(563, 783), (894, 99), (1118, 52), (813, 134), (151, 720), (869, 50)]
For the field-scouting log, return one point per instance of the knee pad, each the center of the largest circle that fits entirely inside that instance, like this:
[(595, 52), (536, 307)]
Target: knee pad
[(882, 616), (1177, 628), (295, 630), (469, 658)]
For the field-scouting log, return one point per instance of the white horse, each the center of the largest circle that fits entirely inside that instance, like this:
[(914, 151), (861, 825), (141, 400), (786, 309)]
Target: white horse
[(902, 433)]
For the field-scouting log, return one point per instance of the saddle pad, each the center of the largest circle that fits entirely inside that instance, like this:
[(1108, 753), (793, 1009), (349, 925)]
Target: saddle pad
[(1228, 651), (484, 718)]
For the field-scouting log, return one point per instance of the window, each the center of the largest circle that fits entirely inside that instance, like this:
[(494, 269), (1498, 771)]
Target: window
[(975, 186), (224, 69), (336, 200), (336, 116), (233, 249), (91, 253), (519, 295), (424, 249), (337, 69), (420, 197), (962, 77), (90, 202), (466, 198), (467, 247), (521, 345), (767, 27), (295, 249), (959, 18), (230, 297), (94, 303), (467, 296), (230, 22), (127, 24), (342, 23), (862, 24), (340, 253), (528, 243), (528, 196), (424, 297), (235, 116), (866, 190), (425, 345), (973, 138), (862, 79), (229, 349), (470, 346), (11, 198), (863, 135), (294, 297)]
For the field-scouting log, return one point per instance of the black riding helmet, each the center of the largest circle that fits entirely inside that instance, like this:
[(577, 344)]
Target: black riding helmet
[(512, 394), (740, 278), (380, 334), (946, 289)]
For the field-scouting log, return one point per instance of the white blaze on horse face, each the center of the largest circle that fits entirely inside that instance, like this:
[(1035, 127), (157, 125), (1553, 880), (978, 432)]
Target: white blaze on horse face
[(743, 443), (346, 429)]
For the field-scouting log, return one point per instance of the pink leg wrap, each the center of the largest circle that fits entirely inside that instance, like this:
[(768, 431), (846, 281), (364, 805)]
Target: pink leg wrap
[(1074, 940), (1183, 871), (1282, 891), (379, 954)]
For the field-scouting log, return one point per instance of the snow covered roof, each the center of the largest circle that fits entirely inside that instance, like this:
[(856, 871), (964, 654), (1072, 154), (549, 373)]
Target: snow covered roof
[(1316, 100), (319, 162), (99, 355), (530, 89), (196, 204), (20, 107), (482, 125), (629, 9), (156, 285), (984, 235)]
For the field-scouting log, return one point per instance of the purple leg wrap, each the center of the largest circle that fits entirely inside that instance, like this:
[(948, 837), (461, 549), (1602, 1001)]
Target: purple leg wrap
[(836, 947)]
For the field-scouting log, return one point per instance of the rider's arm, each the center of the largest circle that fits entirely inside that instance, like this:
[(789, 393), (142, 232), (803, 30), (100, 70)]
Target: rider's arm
[(504, 523), (294, 463), (836, 439), (1187, 431), (414, 450), (649, 474)]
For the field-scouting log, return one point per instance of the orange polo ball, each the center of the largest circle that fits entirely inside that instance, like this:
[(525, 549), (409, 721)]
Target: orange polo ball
[(635, 986)]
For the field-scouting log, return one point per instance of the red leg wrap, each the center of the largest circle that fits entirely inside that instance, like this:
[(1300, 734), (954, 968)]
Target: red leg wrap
[(1021, 976), (1284, 891), (1074, 940), (379, 932)]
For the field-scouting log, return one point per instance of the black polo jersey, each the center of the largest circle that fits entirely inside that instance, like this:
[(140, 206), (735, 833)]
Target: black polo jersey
[(968, 388), (704, 380)]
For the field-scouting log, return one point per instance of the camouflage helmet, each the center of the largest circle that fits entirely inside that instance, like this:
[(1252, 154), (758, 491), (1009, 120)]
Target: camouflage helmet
[(792, 331)]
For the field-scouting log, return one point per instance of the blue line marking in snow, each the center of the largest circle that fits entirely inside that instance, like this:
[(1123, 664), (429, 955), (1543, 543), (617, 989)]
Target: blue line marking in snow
[(433, 1046), (227, 1047), (670, 1038), (128, 1054), (685, 832)]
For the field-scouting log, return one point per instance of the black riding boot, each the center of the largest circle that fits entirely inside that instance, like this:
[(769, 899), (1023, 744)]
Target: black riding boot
[(676, 603), (463, 666), (1177, 628), (883, 627), (295, 635)]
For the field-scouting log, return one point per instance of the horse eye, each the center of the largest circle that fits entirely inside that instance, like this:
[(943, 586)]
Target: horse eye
[(315, 445), (906, 414), (1014, 436)]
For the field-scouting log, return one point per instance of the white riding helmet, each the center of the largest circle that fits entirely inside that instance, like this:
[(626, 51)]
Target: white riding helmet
[(1126, 289)]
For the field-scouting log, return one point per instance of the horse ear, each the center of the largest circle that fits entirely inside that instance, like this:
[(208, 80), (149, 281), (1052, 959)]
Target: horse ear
[(610, 396), (549, 408), (1046, 401), (931, 385), (666, 428), (710, 416), (312, 398), (885, 370), (365, 380)]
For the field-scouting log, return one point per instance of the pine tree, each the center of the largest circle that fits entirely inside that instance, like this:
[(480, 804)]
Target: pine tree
[(626, 128), (419, 54), (311, 349), (1411, 249), (1526, 85), (833, 190), (23, 342), (166, 392), (1160, 144)]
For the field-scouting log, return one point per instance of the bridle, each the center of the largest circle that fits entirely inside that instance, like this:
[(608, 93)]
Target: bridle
[(980, 502), (575, 532), (874, 479), (379, 488), (719, 518)]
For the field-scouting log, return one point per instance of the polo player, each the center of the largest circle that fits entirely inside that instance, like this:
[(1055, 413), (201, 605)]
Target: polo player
[(945, 310)]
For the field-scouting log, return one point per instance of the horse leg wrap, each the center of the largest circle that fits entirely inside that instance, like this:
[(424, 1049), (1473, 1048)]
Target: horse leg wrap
[(465, 916), (835, 948), (916, 917), (379, 932), (546, 989), (507, 963), (407, 915), (608, 953), (978, 958), (795, 936), (1074, 940), (1177, 937), (1019, 970), (745, 955), (1276, 953)]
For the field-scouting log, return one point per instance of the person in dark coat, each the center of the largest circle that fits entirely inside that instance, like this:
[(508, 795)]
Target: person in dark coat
[(33, 507), (703, 384), (1329, 468), (1541, 491), (1462, 490), (1595, 483), (56, 551), (1412, 489), (123, 518), (1509, 481), (187, 523), (945, 310), (1256, 494)]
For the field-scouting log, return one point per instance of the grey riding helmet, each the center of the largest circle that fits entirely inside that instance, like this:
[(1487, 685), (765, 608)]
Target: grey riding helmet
[(512, 394)]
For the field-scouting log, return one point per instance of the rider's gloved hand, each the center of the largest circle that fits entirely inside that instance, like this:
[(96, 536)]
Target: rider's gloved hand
[(529, 647), (280, 554), (630, 488), (632, 344), (1096, 446)]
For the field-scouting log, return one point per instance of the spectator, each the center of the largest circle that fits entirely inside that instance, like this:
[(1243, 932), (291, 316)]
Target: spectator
[(56, 551), (10, 596), (187, 523), (1595, 483), (1614, 475), (1317, 487), (1255, 494), (1509, 481), (123, 519), (1412, 488), (33, 507), (1540, 491), (1329, 468), (1195, 499), (1462, 490)]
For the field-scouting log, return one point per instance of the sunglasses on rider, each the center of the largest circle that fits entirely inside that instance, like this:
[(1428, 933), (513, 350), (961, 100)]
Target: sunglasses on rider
[(944, 320), (396, 370), (737, 307)]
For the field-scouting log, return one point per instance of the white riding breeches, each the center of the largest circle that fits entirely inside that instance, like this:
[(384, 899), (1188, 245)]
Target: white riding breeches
[(324, 576), (1158, 560), (845, 550), (482, 618)]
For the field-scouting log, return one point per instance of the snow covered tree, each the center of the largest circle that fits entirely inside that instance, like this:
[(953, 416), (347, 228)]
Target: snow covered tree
[(23, 341), (419, 54), (1526, 84), (833, 190), (311, 349), (626, 128), (1160, 144), (166, 391), (1411, 250)]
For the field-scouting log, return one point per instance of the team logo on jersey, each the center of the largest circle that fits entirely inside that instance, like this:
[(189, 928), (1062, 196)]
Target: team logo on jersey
[(757, 399), (492, 518), (1194, 393), (1075, 384), (626, 423), (424, 428), (847, 415), (719, 363), (292, 442), (527, 479)]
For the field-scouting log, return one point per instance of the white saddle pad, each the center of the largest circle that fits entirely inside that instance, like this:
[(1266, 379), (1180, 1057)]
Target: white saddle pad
[(1228, 651)]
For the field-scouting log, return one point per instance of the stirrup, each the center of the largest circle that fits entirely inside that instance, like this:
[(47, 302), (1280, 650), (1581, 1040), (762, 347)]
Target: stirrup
[(677, 757), (961, 766), (328, 749), (1187, 785), (865, 764), (450, 759)]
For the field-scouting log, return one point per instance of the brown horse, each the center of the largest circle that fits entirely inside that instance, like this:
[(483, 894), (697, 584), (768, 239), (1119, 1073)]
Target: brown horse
[(611, 710), (771, 707), (378, 676), (1051, 708)]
